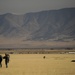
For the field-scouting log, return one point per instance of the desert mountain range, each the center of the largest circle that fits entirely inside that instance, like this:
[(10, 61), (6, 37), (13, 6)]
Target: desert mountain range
[(49, 25)]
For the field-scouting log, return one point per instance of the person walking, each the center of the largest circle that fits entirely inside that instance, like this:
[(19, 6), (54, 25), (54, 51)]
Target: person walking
[(1, 60), (6, 57)]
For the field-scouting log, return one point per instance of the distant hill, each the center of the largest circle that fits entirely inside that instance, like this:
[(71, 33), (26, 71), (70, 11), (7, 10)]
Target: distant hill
[(52, 25)]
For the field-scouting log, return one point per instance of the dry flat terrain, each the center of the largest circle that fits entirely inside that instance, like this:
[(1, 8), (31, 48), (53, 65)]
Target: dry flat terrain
[(34, 64)]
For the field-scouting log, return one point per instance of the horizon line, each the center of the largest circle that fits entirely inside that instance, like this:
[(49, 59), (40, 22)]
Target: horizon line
[(36, 11)]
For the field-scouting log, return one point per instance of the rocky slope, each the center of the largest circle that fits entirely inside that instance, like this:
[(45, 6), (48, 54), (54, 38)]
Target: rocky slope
[(54, 25)]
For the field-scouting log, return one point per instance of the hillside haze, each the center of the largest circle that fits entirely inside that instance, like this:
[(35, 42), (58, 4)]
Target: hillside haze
[(50, 25)]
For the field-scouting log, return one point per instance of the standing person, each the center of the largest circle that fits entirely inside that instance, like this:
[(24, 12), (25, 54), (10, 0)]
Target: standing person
[(1, 60), (6, 57)]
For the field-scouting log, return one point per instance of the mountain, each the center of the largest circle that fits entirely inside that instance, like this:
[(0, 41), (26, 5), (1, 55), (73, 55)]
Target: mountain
[(50, 25)]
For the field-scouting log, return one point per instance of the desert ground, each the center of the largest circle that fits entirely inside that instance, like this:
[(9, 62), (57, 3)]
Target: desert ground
[(35, 64)]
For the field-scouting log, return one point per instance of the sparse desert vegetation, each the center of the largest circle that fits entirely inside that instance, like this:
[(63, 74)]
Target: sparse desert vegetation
[(34, 64)]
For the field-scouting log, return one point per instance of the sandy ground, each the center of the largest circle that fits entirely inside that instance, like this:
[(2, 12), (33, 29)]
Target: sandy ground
[(34, 64)]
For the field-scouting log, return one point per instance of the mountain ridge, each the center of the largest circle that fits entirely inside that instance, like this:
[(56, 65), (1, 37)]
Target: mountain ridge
[(56, 25)]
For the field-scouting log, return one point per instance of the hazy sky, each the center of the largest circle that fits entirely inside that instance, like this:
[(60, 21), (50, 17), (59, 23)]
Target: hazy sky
[(25, 6)]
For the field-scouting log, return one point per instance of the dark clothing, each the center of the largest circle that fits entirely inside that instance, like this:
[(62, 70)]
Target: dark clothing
[(6, 57), (0, 61)]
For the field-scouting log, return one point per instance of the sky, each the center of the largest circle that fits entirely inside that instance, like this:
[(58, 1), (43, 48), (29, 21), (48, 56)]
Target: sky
[(26, 6)]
